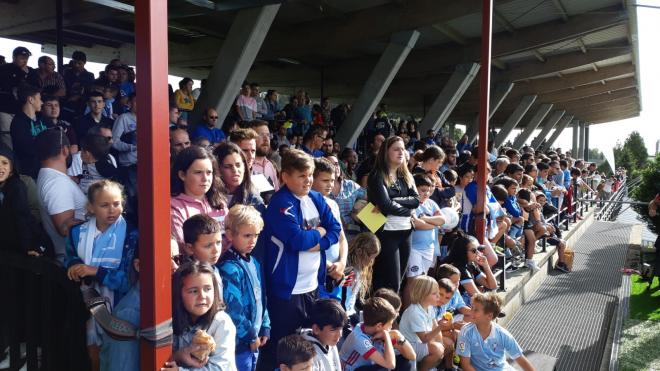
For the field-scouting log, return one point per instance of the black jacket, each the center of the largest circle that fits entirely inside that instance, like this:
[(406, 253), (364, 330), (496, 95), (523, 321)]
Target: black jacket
[(398, 200), (24, 130), (19, 230), (440, 197)]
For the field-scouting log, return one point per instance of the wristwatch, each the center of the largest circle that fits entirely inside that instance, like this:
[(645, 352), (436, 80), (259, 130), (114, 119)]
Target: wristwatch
[(401, 340)]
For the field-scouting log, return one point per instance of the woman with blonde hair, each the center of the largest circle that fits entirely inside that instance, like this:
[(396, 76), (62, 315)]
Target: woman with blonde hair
[(392, 190)]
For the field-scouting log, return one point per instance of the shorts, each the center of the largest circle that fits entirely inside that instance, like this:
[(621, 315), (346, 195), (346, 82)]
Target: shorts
[(515, 231), (418, 264), (421, 350)]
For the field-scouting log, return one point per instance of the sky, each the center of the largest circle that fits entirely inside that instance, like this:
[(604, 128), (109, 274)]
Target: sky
[(601, 136)]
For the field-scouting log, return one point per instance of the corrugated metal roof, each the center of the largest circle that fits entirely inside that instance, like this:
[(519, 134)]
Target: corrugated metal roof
[(574, 7), (607, 35), (523, 13), (470, 25)]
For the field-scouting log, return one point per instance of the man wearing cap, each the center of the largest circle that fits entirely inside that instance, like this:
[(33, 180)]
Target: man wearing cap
[(12, 75), (78, 81)]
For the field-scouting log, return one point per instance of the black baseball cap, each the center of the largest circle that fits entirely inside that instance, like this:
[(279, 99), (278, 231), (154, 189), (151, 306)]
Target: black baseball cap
[(21, 50)]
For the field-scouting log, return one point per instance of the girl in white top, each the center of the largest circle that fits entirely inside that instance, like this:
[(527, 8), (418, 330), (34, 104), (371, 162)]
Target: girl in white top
[(197, 306), (418, 324)]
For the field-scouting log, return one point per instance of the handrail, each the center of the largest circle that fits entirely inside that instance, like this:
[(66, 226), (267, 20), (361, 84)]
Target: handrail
[(45, 312), (612, 205)]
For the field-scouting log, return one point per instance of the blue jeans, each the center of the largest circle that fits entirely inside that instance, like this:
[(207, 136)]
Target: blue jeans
[(246, 360)]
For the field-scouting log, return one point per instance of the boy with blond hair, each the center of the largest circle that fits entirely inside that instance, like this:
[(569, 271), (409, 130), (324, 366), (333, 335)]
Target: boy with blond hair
[(242, 280)]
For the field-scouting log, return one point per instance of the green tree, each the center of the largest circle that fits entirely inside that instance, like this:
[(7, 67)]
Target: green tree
[(595, 155), (632, 154), (646, 191)]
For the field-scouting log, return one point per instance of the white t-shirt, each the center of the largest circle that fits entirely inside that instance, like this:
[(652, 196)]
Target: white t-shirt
[(57, 194), (415, 319), (308, 262), (332, 254)]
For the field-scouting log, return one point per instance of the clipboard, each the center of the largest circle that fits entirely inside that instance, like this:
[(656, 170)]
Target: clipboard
[(371, 220)]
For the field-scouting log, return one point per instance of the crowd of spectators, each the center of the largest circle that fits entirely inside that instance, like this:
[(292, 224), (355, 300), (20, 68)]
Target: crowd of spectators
[(265, 237)]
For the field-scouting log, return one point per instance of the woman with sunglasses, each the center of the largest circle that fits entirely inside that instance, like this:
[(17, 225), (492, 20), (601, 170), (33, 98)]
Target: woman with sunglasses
[(465, 253), (392, 190)]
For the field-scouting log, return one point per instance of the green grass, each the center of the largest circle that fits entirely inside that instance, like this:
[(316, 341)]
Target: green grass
[(640, 346), (644, 303)]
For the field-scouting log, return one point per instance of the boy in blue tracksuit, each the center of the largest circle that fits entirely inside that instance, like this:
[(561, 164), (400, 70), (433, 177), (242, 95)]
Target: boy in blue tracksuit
[(242, 281), (299, 228)]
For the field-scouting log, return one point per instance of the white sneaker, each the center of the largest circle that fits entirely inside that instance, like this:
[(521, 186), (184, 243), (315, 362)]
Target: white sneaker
[(531, 264)]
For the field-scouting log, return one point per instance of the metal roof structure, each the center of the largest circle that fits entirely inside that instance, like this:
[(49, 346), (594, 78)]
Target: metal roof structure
[(579, 55)]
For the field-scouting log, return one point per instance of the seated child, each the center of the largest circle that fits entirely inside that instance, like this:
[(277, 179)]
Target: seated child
[(528, 208), (242, 282), (456, 305), (475, 353), (93, 163), (418, 323), (299, 229), (552, 237), (406, 359), (511, 205), (513, 247), (328, 319), (103, 249), (335, 256), (204, 335), (361, 347), (203, 242), (294, 353)]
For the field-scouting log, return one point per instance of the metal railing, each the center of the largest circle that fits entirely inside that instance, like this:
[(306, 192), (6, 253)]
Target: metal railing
[(43, 310), (609, 208)]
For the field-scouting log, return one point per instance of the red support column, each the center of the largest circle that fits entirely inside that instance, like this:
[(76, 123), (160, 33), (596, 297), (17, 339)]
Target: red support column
[(153, 174), (484, 109)]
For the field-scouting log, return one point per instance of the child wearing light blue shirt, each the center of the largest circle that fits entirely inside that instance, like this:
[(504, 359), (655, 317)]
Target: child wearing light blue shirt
[(483, 344), (427, 218)]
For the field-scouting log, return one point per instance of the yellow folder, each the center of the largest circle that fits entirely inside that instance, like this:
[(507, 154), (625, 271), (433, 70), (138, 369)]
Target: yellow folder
[(373, 220)]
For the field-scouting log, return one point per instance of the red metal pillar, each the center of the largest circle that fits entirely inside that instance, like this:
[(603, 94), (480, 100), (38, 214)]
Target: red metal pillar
[(153, 174), (484, 109)]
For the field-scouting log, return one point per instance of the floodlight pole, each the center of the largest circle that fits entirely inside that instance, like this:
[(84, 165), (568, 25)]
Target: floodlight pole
[(153, 177), (484, 102)]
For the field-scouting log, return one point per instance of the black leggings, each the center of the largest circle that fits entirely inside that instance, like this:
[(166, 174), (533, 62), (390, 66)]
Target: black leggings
[(390, 264)]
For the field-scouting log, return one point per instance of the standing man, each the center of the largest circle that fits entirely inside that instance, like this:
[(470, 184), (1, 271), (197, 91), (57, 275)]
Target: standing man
[(62, 201), (24, 129), (207, 128), (124, 140), (46, 78), (363, 170), (313, 141), (50, 115), (262, 165), (95, 116), (262, 108), (78, 82), (12, 75)]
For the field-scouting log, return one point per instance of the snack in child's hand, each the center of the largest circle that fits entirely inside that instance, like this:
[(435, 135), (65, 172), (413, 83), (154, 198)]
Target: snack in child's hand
[(203, 345), (394, 335), (448, 316)]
